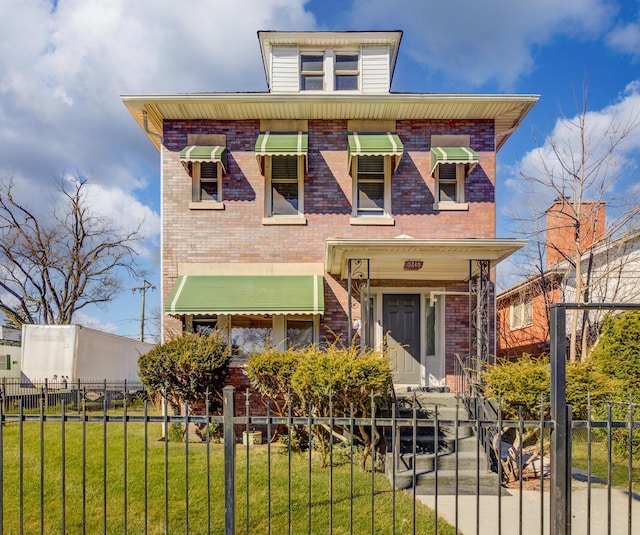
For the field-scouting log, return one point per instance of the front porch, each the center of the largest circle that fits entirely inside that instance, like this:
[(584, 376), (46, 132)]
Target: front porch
[(427, 300)]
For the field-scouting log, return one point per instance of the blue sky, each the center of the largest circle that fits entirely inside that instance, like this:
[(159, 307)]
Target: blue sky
[(64, 65)]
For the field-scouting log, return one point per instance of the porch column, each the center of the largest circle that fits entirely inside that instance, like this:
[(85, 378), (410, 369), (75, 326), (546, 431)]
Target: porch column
[(479, 311), (359, 285)]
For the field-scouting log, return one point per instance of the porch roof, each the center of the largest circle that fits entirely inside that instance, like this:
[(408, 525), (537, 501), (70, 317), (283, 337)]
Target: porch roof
[(407, 258)]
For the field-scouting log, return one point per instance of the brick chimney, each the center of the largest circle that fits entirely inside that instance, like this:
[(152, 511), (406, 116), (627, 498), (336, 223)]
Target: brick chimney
[(562, 230)]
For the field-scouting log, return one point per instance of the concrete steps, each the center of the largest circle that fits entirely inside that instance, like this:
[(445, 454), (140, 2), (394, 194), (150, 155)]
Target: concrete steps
[(438, 459)]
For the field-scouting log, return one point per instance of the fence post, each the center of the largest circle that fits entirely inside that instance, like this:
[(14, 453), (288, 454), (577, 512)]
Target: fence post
[(229, 461), (560, 455)]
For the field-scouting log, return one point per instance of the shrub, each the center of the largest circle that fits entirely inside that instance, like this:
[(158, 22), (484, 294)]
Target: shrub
[(270, 373), (320, 377), (617, 353), (617, 357), (527, 381), (184, 369)]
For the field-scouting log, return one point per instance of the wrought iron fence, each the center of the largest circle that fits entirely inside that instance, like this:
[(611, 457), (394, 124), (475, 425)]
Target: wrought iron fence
[(66, 470)]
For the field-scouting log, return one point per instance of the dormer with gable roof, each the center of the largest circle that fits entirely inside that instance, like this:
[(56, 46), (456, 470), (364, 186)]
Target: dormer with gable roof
[(329, 62)]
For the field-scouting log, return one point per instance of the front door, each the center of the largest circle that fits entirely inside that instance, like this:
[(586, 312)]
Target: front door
[(401, 325)]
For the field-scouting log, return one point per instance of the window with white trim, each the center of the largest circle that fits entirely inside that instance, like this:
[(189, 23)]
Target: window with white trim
[(311, 72), (207, 182), (329, 70), (521, 313), (285, 186), (372, 186), (347, 72), (450, 184)]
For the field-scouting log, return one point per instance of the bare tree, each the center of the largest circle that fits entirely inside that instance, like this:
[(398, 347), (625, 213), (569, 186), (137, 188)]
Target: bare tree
[(55, 264), (585, 164)]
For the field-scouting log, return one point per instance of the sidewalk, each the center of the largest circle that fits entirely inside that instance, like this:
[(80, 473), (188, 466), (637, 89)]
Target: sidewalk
[(488, 516)]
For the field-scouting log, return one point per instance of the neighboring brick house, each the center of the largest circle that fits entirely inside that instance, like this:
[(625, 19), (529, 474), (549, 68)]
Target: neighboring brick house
[(522, 309), (284, 211)]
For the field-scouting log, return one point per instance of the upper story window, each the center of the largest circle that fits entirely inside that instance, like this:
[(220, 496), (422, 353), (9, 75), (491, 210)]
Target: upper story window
[(450, 183), (285, 193), (373, 156), (346, 71), (282, 157), (521, 313), (312, 72), (370, 185), (206, 165), (329, 71), (206, 182), (450, 167)]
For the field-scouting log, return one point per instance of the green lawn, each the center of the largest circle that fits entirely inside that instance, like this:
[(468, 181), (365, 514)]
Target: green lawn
[(178, 466), (599, 461)]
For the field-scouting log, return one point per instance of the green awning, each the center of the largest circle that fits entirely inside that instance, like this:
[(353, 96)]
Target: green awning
[(375, 144), (204, 153), (453, 155), (282, 144), (244, 295)]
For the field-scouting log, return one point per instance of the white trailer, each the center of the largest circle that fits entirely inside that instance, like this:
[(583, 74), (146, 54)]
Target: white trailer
[(71, 353)]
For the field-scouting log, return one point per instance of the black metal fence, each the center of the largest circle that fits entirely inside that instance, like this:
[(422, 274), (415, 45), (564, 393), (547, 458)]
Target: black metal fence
[(114, 463)]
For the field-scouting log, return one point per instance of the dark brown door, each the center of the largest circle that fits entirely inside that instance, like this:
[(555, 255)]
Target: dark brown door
[(401, 325)]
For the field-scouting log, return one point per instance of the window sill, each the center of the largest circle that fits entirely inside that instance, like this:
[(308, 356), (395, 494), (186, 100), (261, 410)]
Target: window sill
[(372, 220), (285, 220), (206, 205), (444, 206)]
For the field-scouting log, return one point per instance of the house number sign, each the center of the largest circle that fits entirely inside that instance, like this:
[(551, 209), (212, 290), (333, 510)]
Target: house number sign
[(413, 265)]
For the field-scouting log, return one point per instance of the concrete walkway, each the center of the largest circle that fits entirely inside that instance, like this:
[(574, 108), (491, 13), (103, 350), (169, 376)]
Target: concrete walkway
[(510, 525)]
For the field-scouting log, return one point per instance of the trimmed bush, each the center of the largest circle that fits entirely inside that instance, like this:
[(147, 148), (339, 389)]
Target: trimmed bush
[(185, 368)]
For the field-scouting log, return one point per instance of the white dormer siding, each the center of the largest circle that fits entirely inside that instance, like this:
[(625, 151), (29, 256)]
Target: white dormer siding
[(374, 72), (285, 67), (375, 75)]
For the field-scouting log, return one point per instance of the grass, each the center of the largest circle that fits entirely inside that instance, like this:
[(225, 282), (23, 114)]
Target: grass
[(599, 461), (104, 509)]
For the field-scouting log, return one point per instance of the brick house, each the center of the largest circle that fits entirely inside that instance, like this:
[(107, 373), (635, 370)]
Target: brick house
[(330, 206), (610, 268)]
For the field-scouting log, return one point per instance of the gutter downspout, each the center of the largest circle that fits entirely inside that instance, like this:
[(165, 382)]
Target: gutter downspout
[(145, 124)]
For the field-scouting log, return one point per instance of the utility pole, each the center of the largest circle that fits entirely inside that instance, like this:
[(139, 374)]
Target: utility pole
[(146, 285)]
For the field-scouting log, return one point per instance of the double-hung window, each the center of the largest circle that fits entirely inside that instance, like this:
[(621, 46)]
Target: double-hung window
[(346, 71), (206, 182), (370, 186), (450, 166), (285, 188), (450, 183), (312, 72), (206, 164), (521, 312)]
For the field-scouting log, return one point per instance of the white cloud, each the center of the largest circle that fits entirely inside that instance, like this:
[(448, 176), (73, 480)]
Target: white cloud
[(62, 72), (92, 322), (625, 38), (473, 43), (609, 175)]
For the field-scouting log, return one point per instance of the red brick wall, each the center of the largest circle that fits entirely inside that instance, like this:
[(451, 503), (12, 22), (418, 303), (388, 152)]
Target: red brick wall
[(236, 234), (561, 230)]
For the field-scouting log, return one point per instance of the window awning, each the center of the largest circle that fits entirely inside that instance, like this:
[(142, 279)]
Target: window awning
[(453, 155), (244, 295), (204, 153), (375, 144), (282, 144)]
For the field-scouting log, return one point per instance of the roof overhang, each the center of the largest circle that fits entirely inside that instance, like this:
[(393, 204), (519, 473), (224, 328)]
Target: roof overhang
[(507, 111), (397, 258)]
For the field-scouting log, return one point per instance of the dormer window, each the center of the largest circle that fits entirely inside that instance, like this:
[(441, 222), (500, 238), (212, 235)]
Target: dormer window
[(346, 72), (311, 72)]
